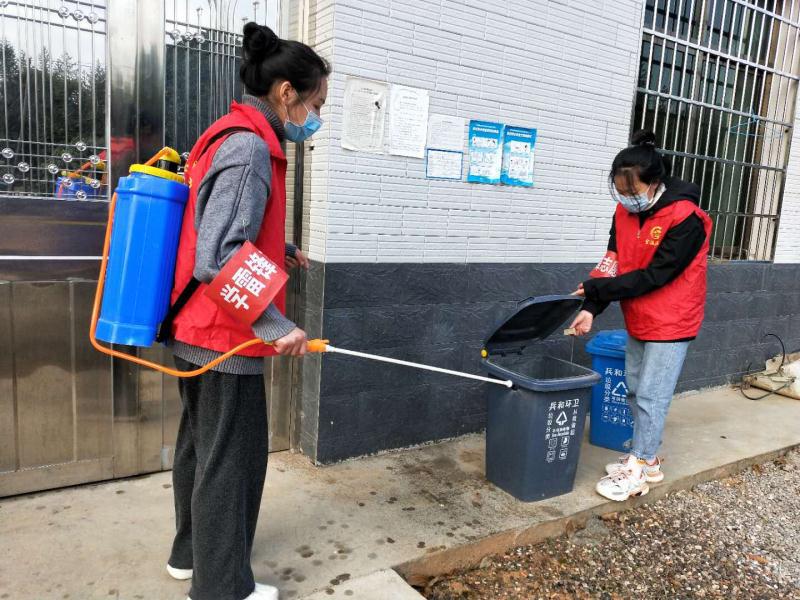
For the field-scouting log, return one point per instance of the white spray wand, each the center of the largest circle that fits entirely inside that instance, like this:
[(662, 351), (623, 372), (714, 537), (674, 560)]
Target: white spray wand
[(323, 346)]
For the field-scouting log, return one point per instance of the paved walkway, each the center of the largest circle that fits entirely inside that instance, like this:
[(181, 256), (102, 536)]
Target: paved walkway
[(420, 511)]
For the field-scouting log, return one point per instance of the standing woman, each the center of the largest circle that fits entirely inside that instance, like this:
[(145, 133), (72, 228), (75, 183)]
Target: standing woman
[(237, 175), (660, 237)]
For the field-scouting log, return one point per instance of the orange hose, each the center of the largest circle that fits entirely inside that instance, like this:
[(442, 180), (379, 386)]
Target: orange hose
[(156, 156), (313, 345)]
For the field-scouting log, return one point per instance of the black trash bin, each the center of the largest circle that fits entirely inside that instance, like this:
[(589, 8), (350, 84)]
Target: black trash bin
[(534, 430)]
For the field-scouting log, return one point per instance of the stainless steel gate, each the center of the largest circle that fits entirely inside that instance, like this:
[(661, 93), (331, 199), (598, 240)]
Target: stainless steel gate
[(88, 87)]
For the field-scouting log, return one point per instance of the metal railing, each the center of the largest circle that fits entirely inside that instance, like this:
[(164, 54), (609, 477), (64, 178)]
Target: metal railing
[(53, 82), (718, 84), (203, 41), (53, 85)]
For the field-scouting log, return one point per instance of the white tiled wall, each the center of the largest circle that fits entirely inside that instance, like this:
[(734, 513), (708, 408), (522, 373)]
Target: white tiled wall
[(564, 67), (317, 174), (787, 249)]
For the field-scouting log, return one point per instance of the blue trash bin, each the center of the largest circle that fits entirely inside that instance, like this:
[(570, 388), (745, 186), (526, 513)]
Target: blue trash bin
[(611, 420)]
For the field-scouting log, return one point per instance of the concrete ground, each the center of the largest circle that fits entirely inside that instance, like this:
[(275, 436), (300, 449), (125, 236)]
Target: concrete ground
[(422, 511)]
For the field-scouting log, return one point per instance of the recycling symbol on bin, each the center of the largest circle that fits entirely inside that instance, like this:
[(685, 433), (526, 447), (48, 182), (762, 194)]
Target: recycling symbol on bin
[(621, 391), (561, 418)]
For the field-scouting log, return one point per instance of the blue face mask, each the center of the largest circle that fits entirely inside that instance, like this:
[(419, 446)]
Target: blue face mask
[(299, 133), (633, 204)]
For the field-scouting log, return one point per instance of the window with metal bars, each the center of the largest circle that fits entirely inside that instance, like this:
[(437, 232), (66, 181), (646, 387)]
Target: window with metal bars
[(718, 85)]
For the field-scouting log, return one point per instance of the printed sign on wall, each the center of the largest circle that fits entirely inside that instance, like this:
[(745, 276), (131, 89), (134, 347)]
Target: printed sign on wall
[(443, 164), (446, 132), (408, 121), (363, 115), (518, 143), (485, 152)]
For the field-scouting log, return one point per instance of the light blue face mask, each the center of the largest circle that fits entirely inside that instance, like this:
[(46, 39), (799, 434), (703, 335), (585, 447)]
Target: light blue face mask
[(300, 133), (633, 204)]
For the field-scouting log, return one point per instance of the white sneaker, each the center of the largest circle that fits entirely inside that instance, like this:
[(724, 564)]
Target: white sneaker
[(179, 574), (622, 485), (653, 472), (262, 592)]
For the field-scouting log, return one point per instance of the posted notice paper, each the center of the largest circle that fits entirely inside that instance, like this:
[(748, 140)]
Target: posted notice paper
[(408, 121), (443, 164), (363, 115), (446, 132)]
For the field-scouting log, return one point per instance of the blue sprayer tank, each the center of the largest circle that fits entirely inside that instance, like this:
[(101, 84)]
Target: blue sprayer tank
[(144, 244)]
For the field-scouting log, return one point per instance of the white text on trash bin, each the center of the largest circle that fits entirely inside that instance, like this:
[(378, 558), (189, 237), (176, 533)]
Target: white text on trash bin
[(562, 422), (615, 399)]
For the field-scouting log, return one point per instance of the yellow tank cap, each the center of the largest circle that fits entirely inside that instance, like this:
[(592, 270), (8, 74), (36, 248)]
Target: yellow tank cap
[(156, 172), (171, 155), (484, 353)]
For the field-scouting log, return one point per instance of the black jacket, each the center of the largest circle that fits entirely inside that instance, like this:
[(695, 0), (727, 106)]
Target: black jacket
[(679, 247)]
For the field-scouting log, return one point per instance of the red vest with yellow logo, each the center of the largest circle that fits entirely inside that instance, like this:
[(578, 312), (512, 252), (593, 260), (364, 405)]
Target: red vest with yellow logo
[(201, 322), (674, 311)]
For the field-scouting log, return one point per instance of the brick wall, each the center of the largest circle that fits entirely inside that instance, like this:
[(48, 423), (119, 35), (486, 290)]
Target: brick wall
[(440, 315), (375, 224), (566, 68)]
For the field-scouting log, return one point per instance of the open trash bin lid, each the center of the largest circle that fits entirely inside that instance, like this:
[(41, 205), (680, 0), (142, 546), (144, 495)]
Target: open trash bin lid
[(534, 320)]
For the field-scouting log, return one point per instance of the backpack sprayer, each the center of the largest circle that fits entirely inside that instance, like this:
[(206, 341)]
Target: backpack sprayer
[(138, 265)]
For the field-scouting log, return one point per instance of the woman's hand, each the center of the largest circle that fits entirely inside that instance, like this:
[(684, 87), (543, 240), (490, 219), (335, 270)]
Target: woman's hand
[(583, 323), (580, 291), (298, 260), (293, 344)]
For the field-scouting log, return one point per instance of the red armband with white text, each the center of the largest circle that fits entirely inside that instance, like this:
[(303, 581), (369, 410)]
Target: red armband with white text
[(607, 267), (246, 284)]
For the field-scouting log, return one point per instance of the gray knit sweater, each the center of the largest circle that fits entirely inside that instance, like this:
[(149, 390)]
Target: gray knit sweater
[(230, 206)]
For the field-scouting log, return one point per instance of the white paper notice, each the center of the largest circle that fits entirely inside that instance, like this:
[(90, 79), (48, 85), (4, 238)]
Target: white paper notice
[(363, 115), (408, 121), (446, 132), (444, 164)]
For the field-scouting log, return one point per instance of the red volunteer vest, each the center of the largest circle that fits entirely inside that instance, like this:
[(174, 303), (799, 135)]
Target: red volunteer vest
[(201, 322), (675, 311)]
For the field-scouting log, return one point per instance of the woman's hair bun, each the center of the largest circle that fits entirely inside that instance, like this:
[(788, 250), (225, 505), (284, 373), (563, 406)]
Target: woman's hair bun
[(644, 137), (267, 60), (259, 42)]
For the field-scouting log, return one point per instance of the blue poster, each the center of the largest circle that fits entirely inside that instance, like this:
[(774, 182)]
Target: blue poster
[(485, 152), (518, 143)]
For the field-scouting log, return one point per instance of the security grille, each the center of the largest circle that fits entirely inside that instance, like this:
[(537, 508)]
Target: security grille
[(203, 41), (718, 84), (53, 86)]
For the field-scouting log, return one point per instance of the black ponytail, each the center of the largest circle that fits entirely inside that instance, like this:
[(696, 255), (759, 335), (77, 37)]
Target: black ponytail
[(642, 159), (266, 59)]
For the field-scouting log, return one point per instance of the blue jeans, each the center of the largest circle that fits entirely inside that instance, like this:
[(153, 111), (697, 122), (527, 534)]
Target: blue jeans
[(652, 371)]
